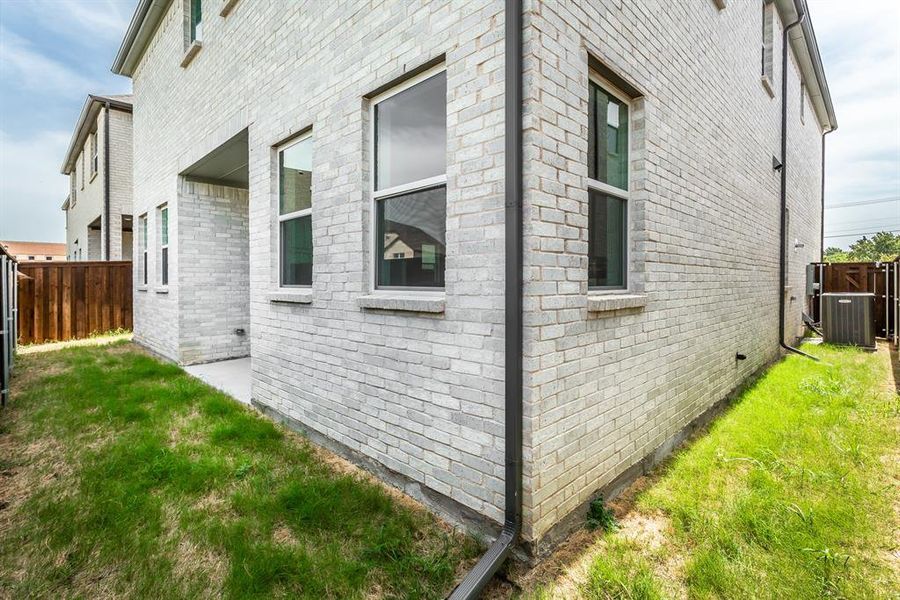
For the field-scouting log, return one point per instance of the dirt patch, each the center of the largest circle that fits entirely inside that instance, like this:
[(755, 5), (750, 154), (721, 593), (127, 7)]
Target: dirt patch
[(284, 536)]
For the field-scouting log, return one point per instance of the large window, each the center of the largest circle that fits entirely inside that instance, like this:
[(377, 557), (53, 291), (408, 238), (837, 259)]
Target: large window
[(608, 135), (410, 183), (196, 20), (295, 212), (164, 245), (142, 249)]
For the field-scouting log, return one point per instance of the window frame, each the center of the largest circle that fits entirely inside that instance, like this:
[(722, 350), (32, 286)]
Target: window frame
[(142, 247), (164, 245), (94, 154), (397, 190), (297, 214), (611, 190)]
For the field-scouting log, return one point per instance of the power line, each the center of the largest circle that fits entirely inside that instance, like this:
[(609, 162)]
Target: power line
[(864, 202), (863, 232)]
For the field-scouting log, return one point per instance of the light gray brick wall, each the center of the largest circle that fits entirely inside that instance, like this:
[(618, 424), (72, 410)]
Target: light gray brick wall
[(423, 394), (606, 389), (213, 273)]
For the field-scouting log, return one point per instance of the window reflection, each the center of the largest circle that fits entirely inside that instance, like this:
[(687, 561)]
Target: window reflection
[(412, 230)]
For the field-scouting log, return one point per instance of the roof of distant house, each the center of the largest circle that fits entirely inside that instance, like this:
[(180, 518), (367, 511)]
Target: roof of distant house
[(86, 119), (34, 248)]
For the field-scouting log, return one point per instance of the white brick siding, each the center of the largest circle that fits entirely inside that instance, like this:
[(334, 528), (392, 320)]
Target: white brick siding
[(422, 394)]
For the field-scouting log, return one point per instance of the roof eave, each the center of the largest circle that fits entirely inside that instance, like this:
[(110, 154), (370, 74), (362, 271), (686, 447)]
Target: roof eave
[(147, 15), (88, 114)]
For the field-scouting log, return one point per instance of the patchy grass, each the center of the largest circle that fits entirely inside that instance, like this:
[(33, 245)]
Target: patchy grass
[(791, 494), (121, 476)]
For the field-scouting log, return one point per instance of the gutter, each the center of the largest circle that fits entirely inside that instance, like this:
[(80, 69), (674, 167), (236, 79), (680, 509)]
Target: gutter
[(782, 270), (106, 222), (476, 580)]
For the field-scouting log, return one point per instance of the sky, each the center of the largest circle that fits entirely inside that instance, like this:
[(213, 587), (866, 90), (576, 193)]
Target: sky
[(49, 65)]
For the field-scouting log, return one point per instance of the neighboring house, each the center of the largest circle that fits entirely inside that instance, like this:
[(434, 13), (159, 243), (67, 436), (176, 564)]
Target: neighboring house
[(322, 188), (98, 162), (35, 251)]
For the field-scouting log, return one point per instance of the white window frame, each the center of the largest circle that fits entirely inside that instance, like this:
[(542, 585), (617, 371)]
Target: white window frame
[(142, 247), (164, 245), (291, 215), (802, 103), (413, 186), (611, 190)]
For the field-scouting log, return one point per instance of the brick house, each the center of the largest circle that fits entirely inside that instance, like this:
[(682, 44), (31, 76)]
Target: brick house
[(98, 164), (334, 195)]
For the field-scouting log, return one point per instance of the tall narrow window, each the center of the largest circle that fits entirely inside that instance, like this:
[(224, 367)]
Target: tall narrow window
[(767, 33), (295, 212), (410, 183), (802, 103), (142, 249), (94, 154), (164, 245), (608, 135), (196, 20), (82, 169)]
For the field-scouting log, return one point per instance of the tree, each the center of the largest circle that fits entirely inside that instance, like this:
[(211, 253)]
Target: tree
[(884, 246), (836, 255)]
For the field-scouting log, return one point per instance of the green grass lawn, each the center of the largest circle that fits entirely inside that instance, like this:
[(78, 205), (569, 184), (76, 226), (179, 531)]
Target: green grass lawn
[(792, 494), (121, 476)]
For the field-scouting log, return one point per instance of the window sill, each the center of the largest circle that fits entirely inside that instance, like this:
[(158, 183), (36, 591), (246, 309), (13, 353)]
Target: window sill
[(720, 4), (143, 288), (93, 177), (163, 289), (407, 302), (191, 52), (767, 85), (303, 296), (610, 302), (227, 5)]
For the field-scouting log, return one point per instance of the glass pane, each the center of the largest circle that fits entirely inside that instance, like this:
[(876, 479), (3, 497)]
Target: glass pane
[(411, 134), (296, 251), (295, 187), (412, 230), (165, 266), (607, 216), (196, 17), (165, 226), (607, 138)]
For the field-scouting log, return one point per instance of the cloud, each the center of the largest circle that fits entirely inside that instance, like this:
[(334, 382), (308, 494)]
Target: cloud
[(22, 66), (31, 188), (861, 53)]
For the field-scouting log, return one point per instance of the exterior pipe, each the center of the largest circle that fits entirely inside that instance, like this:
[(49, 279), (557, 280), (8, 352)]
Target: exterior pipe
[(476, 580), (106, 223), (782, 279)]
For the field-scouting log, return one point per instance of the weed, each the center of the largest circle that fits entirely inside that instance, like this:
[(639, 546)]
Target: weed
[(601, 517)]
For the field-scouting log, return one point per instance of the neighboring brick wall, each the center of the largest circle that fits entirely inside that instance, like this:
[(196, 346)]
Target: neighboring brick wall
[(423, 395), (607, 389), (89, 204), (213, 273), (120, 182)]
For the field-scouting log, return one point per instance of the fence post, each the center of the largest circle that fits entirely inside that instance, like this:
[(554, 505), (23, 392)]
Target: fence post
[(5, 362)]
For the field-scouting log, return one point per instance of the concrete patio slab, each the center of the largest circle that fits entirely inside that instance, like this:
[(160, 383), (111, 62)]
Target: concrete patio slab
[(229, 376)]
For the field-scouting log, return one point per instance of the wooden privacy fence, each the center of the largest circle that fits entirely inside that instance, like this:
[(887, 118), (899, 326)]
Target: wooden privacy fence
[(878, 278), (71, 300)]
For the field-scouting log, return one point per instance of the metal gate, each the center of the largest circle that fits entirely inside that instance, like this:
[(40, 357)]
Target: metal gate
[(8, 322), (879, 278)]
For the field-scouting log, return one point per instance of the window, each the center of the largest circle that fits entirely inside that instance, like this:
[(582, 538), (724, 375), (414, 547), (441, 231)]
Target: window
[(767, 32), (410, 183), (802, 103), (295, 212), (608, 143), (82, 169), (142, 249), (73, 195), (196, 20), (93, 154), (30, 258), (164, 245)]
